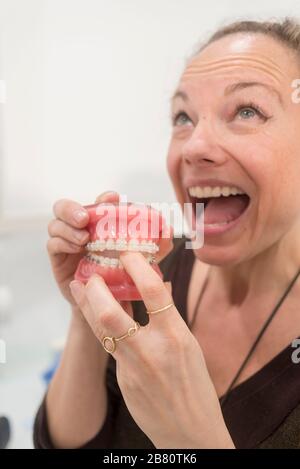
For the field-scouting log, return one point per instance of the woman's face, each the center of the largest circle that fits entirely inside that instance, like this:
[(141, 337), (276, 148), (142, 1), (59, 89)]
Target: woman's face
[(235, 124)]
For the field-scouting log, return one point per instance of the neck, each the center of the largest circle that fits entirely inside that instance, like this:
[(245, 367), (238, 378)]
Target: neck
[(270, 271)]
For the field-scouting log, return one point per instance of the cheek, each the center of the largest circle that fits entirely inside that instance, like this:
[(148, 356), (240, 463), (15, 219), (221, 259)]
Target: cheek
[(174, 165), (286, 181), (170, 164), (174, 169), (261, 159), (290, 160), (173, 162), (274, 167)]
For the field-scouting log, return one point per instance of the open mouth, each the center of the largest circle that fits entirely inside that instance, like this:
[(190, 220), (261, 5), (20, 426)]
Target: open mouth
[(223, 205)]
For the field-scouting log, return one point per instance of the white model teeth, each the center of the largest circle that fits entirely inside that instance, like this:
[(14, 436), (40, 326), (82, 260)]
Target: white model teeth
[(104, 261), (123, 245), (96, 246), (110, 244), (148, 246), (109, 261), (120, 245), (133, 245), (204, 192)]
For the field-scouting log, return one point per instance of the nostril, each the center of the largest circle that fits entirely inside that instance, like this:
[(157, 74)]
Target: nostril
[(197, 160)]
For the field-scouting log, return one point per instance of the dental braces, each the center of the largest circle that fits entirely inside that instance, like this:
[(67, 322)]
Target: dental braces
[(112, 261), (122, 245)]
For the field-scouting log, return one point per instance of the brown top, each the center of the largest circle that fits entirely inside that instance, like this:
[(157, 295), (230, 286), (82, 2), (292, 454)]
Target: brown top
[(261, 412)]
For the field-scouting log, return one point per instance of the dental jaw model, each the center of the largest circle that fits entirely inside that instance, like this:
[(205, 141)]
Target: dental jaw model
[(115, 228)]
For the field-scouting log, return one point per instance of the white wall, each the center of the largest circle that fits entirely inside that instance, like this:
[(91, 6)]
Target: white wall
[(88, 84)]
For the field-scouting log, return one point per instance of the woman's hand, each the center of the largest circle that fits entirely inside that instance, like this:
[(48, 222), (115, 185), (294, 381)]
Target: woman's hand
[(161, 370), (68, 238)]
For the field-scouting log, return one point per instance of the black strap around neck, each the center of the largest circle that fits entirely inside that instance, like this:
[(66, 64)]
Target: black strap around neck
[(224, 398)]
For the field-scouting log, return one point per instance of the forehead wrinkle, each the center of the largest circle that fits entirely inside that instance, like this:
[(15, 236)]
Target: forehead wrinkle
[(212, 72), (193, 73), (208, 67), (249, 56)]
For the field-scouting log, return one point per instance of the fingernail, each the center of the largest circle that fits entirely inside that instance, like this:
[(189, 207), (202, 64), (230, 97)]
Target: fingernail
[(76, 290), (80, 215), (106, 193)]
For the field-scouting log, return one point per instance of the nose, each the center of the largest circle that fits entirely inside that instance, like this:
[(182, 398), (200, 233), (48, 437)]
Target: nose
[(202, 149)]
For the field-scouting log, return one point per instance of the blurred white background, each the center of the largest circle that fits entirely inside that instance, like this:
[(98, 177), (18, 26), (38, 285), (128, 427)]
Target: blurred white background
[(88, 84)]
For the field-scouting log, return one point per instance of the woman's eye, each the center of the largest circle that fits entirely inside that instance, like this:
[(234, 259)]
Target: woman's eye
[(246, 112), (177, 121)]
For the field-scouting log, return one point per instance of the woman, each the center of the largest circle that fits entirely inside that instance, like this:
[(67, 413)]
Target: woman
[(179, 381)]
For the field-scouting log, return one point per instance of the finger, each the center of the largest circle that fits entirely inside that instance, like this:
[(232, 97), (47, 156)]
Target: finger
[(105, 315), (71, 212), (78, 292), (108, 196), (153, 291), (165, 247), (61, 246), (60, 229), (167, 231), (168, 286), (127, 306), (165, 242)]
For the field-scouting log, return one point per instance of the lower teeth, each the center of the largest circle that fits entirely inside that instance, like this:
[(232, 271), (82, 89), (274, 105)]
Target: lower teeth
[(111, 261)]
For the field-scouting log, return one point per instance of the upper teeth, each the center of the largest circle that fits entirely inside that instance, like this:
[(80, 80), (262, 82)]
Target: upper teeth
[(123, 245), (203, 192), (111, 261)]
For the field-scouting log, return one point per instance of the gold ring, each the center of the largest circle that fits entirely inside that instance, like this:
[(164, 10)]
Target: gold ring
[(161, 309), (113, 340)]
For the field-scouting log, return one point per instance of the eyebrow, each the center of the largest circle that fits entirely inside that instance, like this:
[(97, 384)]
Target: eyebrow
[(231, 89), (179, 94), (247, 84)]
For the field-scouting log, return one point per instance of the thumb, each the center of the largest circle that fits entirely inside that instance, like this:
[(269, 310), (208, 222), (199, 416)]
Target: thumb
[(108, 196)]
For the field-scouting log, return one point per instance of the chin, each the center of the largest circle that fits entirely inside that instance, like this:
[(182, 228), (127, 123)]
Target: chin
[(219, 256)]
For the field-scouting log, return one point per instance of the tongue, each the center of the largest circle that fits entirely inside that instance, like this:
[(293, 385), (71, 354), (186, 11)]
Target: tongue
[(224, 209)]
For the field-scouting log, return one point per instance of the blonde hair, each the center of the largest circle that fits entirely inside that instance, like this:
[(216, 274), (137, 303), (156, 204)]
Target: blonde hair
[(285, 31)]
